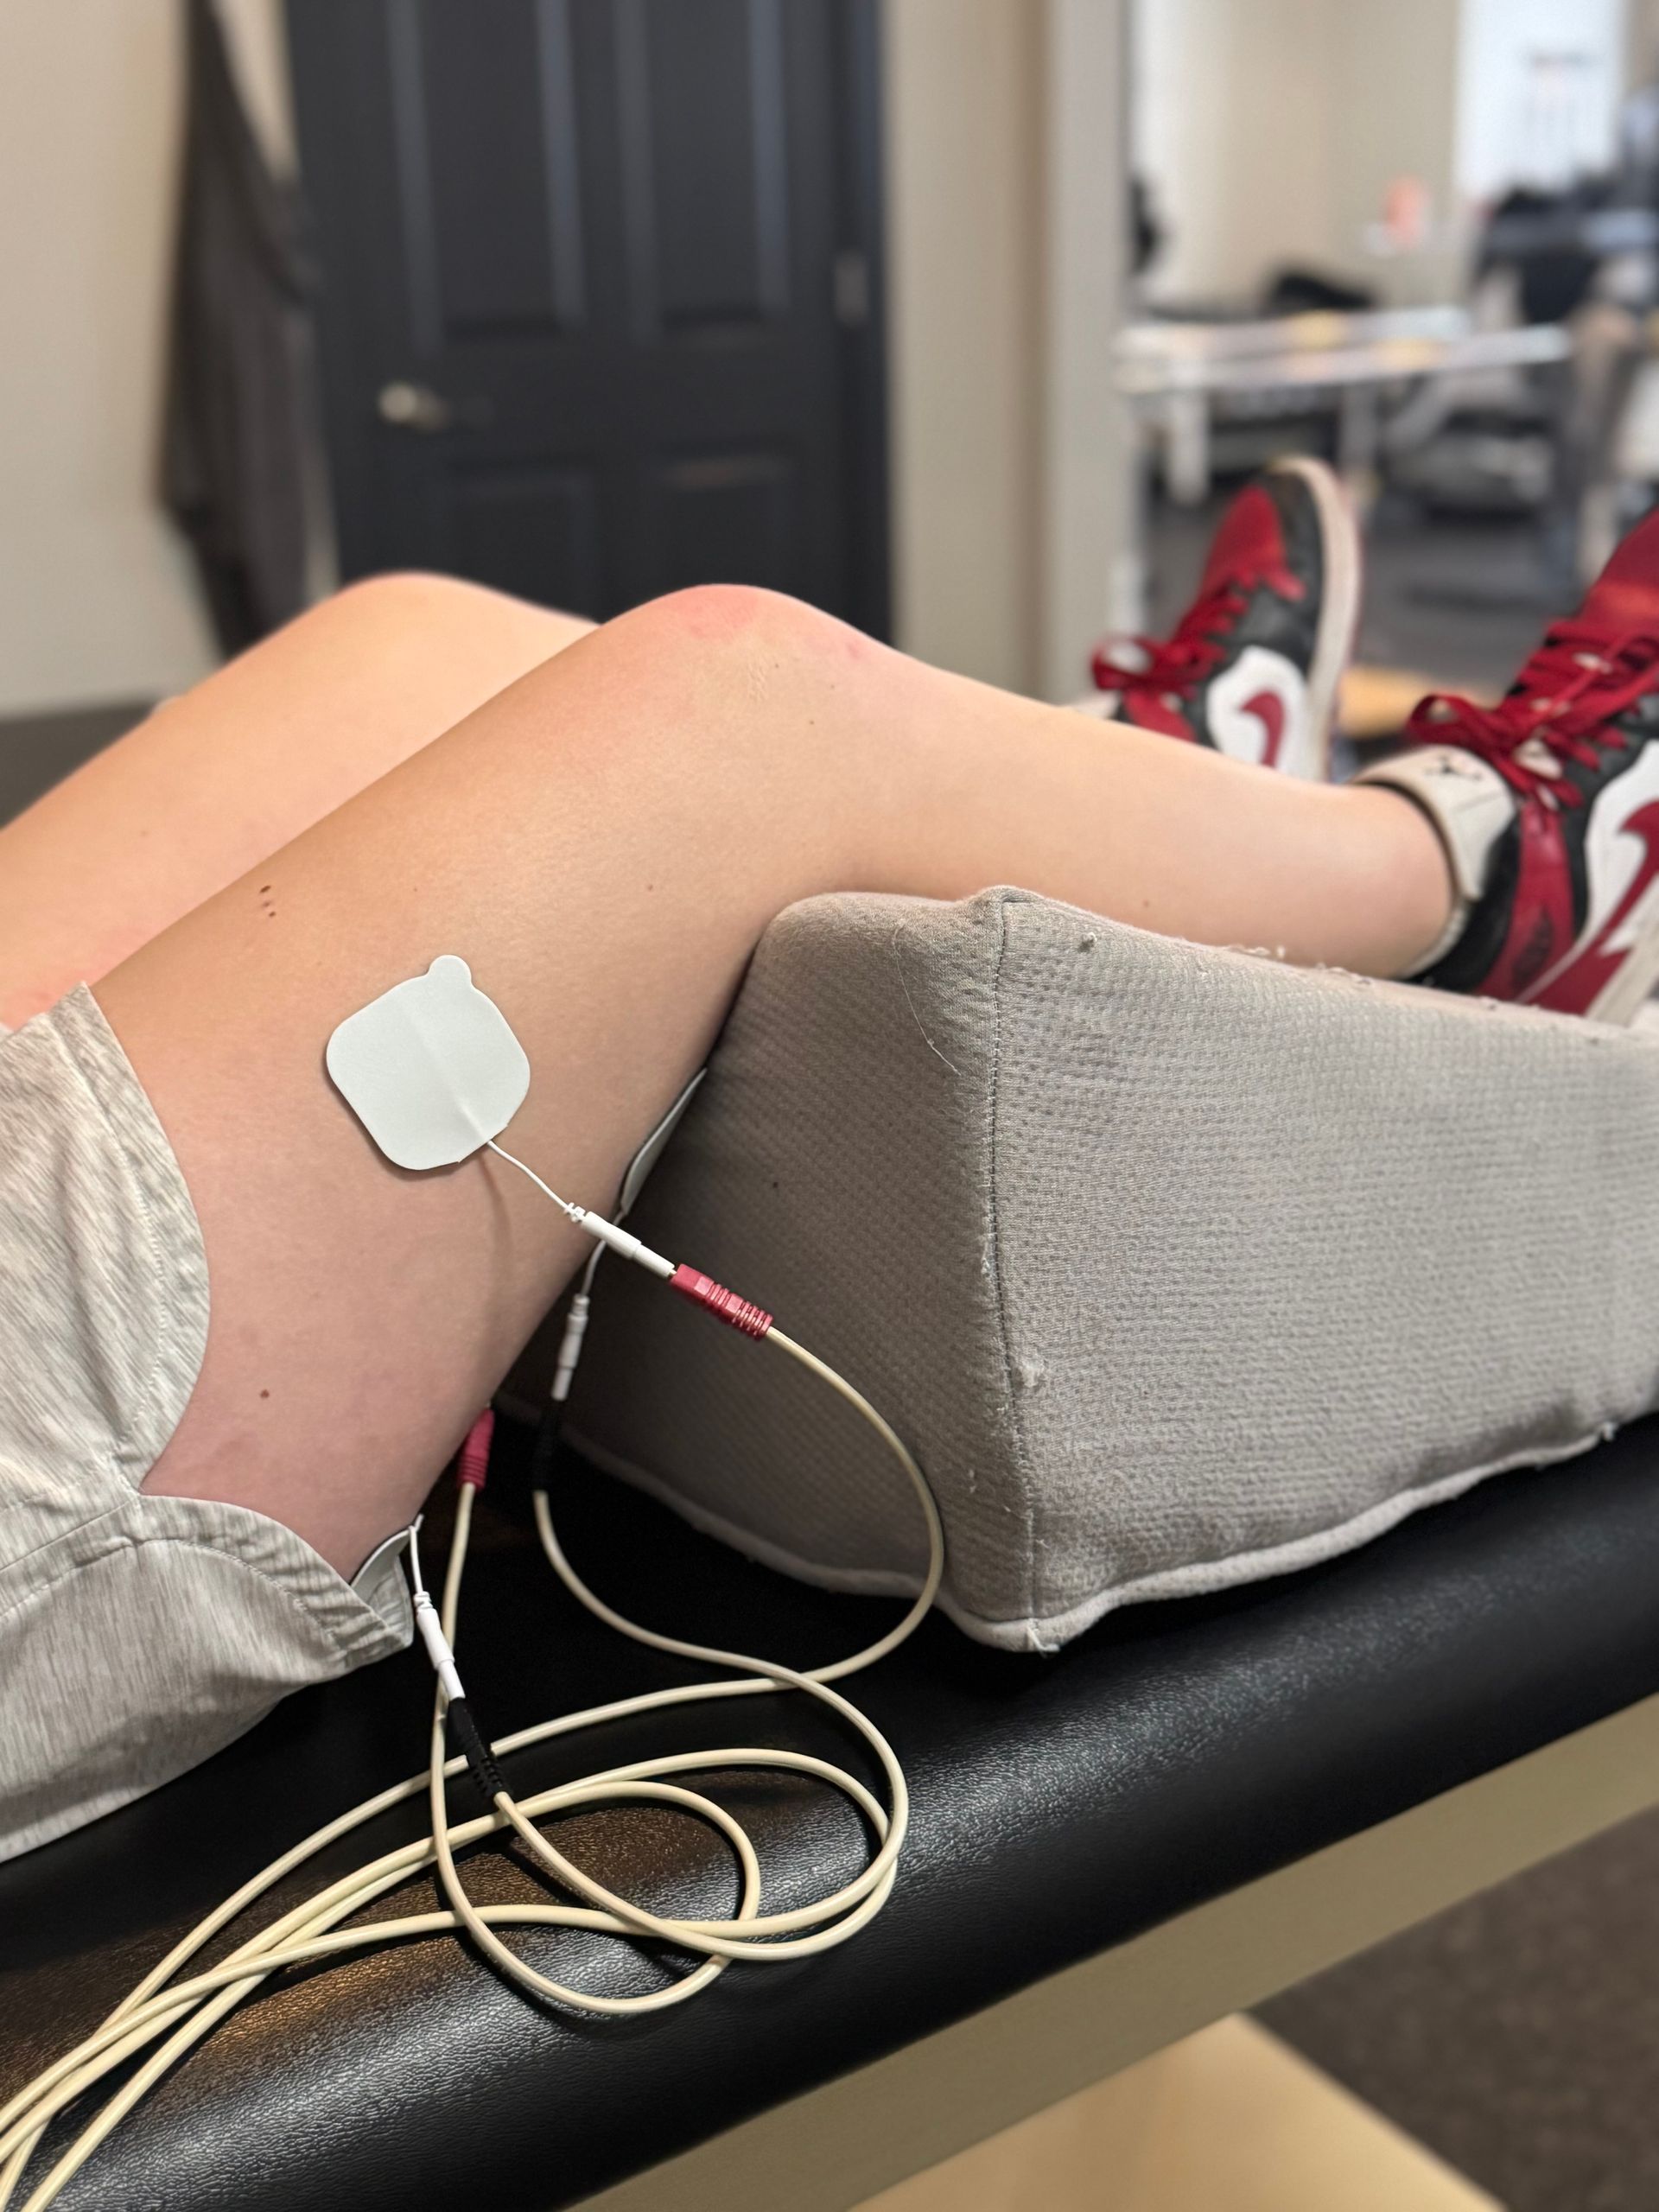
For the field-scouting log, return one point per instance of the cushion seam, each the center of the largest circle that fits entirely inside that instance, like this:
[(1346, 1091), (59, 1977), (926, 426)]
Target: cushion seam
[(1018, 1463)]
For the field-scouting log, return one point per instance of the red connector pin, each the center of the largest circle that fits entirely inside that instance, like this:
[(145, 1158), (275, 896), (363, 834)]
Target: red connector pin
[(725, 1305), (473, 1470)]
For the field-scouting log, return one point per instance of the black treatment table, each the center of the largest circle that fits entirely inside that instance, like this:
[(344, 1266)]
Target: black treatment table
[(1193, 1806)]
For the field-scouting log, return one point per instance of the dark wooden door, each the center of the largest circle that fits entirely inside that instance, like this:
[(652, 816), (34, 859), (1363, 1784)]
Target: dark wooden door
[(600, 298)]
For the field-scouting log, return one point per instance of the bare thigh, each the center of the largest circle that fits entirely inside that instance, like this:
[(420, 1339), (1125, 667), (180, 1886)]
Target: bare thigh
[(604, 843), (215, 779)]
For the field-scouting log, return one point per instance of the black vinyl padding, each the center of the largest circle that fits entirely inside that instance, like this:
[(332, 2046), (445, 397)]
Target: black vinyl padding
[(1060, 1805)]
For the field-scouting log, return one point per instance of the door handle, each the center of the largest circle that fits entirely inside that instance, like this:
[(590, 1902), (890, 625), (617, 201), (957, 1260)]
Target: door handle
[(413, 407)]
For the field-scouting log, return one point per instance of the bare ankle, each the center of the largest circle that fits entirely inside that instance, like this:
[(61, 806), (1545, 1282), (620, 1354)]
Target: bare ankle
[(1419, 893)]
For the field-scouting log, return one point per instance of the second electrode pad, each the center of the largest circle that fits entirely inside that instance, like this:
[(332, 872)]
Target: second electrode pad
[(431, 1068)]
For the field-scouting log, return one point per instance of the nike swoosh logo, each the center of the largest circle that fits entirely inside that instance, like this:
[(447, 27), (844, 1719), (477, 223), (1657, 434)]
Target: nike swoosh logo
[(1644, 825), (1269, 710), (1577, 985)]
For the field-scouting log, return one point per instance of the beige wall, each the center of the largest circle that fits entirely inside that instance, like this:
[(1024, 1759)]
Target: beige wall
[(1641, 43), (963, 111), (1089, 568), (96, 600), (1004, 196), (1006, 476), (1272, 128), (1232, 123), (1395, 91)]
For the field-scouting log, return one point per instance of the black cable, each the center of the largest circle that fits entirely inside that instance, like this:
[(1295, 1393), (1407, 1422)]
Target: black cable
[(548, 1432), (473, 1747)]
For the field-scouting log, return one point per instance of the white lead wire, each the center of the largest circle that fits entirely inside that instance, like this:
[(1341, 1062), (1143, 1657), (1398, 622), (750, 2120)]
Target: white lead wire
[(309, 1931)]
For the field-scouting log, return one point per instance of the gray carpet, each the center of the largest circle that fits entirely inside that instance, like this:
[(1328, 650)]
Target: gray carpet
[(1516, 2035)]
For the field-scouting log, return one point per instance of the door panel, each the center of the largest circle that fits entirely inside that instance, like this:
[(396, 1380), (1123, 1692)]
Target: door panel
[(492, 146), (740, 511), (703, 99), (525, 528), (579, 309)]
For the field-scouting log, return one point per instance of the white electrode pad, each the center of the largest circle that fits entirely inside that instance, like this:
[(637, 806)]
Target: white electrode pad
[(430, 1068)]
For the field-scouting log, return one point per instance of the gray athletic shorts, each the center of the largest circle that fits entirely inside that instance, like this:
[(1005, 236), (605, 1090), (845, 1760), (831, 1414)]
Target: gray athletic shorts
[(137, 1634)]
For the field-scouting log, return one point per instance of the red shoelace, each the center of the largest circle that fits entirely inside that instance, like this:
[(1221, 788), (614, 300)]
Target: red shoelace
[(1560, 707), (1175, 663)]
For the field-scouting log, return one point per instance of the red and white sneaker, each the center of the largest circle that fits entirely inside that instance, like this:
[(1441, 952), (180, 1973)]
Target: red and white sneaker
[(1252, 667), (1548, 807)]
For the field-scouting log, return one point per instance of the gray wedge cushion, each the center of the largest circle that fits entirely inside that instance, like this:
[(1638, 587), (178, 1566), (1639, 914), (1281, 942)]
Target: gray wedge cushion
[(1176, 1268)]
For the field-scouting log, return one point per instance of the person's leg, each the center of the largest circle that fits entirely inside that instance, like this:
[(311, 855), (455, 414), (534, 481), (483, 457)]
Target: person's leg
[(215, 779), (604, 843)]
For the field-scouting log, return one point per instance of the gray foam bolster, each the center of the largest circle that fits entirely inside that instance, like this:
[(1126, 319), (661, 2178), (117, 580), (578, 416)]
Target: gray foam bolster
[(1177, 1268)]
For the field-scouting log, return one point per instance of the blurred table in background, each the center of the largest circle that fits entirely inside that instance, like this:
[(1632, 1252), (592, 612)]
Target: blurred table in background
[(1182, 376)]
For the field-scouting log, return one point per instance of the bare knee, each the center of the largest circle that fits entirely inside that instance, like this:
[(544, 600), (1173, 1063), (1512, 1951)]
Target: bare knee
[(758, 637), (739, 677), (719, 611)]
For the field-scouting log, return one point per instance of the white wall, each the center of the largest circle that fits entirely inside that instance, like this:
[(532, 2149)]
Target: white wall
[(97, 601), (1540, 84)]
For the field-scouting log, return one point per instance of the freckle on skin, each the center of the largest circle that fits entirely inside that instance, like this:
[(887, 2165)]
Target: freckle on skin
[(265, 1393)]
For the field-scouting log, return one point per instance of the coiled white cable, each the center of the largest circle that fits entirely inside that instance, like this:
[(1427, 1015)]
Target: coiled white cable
[(175, 2015)]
